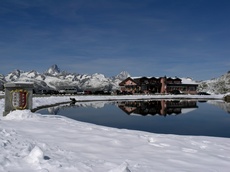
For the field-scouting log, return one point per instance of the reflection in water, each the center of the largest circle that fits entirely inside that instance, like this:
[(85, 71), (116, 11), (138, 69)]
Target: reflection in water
[(161, 107), (151, 107), (54, 110), (96, 104), (223, 105), (207, 120)]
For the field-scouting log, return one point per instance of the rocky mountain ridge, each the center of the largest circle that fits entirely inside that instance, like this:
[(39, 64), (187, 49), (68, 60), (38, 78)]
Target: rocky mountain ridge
[(54, 78), (220, 85)]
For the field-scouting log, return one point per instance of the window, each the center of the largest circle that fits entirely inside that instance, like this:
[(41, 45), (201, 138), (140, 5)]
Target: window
[(191, 88)]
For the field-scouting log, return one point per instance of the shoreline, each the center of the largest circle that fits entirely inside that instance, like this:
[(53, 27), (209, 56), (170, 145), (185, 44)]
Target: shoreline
[(39, 100), (39, 103), (135, 96)]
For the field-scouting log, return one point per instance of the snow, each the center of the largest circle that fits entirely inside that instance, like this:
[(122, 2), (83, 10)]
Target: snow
[(1, 93), (188, 81), (51, 143), (20, 82)]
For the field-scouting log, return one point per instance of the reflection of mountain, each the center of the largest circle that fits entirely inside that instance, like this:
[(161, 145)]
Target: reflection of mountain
[(96, 104), (161, 107), (54, 110), (221, 104)]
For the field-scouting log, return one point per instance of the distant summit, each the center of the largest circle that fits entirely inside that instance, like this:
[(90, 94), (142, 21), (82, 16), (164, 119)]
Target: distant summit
[(53, 70), (123, 75), (220, 85)]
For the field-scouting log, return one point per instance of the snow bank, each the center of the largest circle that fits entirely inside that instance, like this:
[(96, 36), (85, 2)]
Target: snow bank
[(46, 143), (21, 115)]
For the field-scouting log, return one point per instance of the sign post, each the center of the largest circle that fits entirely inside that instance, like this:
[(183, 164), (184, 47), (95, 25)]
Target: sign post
[(18, 96)]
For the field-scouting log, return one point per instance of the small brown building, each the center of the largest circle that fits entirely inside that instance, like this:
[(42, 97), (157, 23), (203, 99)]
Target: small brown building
[(158, 85)]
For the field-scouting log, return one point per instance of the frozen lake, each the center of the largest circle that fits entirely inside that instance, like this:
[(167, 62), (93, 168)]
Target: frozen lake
[(184, 117)]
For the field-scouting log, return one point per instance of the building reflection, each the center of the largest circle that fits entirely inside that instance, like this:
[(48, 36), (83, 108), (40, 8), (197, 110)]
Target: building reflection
[(160, 107)]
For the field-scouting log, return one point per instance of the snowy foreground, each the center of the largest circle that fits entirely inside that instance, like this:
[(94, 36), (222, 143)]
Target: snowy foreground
[(32, 142)]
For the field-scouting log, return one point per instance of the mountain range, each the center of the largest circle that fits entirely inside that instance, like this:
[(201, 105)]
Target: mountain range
[(220, 85), (54, 79)]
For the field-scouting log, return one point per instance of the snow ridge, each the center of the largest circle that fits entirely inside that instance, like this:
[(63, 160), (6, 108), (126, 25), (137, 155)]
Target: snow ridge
[(52, 143), (53, 70), (54, 79), (219, 85)]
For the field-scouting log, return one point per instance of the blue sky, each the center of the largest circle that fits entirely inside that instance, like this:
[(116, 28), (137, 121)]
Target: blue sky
[(144, 37)]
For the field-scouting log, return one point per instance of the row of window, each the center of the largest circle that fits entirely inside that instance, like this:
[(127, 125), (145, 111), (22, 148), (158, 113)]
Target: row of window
[(182, 88)]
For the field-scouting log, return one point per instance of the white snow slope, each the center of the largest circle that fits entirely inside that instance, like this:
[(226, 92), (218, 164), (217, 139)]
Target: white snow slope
[(32, 142)]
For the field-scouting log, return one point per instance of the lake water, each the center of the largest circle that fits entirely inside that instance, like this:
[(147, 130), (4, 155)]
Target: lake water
[(184, 117)]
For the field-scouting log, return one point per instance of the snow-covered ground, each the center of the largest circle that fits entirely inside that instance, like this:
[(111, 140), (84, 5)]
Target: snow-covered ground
[(46, 143)]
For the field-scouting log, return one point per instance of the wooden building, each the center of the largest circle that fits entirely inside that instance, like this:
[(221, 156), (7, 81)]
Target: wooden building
[(153, 85)]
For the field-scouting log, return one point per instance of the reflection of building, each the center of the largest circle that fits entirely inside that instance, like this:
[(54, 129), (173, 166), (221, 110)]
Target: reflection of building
[(161, 107), (158, 85)]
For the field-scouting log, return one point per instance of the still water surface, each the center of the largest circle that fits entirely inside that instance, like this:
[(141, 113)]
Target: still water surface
[(185, 117)]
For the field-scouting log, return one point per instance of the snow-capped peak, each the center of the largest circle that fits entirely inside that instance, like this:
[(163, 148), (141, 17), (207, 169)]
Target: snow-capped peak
[(53, 70), (53, 78), (123, 75), (220, 85)]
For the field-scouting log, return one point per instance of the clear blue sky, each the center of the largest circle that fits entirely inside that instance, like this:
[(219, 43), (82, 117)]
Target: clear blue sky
[(144, 37)]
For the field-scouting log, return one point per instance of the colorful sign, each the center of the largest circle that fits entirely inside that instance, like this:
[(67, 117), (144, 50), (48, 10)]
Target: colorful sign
[(19, 98)]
